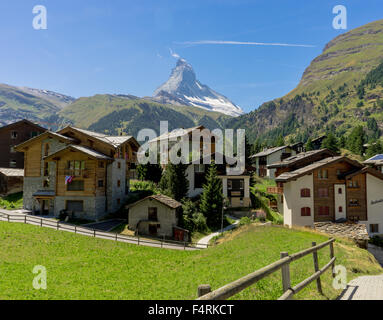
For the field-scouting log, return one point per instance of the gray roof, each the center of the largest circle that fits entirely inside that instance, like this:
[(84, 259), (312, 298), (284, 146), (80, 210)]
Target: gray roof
[(268, 151), (180, 132), (112, 140), (9, 172), (298, 157), (54, 134), (170, 202), (287, 176), (90, 152)]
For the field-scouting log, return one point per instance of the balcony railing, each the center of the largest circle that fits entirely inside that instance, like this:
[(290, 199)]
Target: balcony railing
[(274, 190)]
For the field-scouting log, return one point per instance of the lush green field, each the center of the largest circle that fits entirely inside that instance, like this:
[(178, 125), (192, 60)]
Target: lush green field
[(80, 267)]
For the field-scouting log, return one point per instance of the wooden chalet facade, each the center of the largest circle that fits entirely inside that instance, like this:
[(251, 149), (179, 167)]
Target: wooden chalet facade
[(334, 188), (78, 171), (12, 135)]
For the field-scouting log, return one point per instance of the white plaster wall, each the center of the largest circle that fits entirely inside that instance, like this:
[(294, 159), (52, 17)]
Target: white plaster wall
[(340, 201), (293, 202), (374, 211)]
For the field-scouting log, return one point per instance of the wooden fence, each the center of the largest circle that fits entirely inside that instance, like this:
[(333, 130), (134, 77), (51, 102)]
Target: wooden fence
[(57, 225), (229, 290)]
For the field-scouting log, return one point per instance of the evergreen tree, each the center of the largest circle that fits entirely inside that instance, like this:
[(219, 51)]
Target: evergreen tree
[(149, 172), (280, 141), (174, 182), (374, 149), (309, 145), (211, 205), (355, 140), (330, 142)]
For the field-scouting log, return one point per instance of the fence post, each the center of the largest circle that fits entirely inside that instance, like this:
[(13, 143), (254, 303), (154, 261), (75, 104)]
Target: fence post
[(116, 236), (25, 219), (75, 229), (41, 222), (94, 233), (203, 289), (8, 217), (57, 225), (332, 256), (286, 284), (138, 240), (316, 267)]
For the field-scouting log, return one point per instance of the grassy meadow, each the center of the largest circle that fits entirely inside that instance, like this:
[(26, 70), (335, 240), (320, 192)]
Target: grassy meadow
[(79, 267)]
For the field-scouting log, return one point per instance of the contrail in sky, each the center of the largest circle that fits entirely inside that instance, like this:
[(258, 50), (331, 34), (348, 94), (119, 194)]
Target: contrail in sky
[(201, 42)]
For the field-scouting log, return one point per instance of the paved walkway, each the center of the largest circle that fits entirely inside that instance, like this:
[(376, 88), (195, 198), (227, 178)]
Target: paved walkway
[(364, 288), (107, 225), (205, 240)]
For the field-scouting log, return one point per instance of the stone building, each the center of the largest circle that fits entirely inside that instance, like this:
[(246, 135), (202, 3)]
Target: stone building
[(78, 171), (156, 215)]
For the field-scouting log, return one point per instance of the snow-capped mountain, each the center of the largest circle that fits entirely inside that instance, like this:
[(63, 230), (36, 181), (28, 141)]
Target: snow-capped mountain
[(183, 88)]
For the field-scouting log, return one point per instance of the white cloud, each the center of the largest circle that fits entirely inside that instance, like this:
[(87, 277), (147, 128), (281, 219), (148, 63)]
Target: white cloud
[(173, 54), (202, 42)]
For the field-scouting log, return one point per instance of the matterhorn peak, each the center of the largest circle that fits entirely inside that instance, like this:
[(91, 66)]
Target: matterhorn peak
[(183, 88)]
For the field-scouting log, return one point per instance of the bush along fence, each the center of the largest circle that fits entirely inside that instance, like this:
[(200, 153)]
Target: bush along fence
[(63, 226), (229, 290)]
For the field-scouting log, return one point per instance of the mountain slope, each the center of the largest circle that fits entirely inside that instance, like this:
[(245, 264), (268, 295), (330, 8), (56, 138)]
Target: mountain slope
[(183, 88), (18, 103), (329, 93), (115, 113)]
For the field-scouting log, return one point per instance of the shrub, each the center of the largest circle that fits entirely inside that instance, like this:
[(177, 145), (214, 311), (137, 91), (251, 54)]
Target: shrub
[(244, 221)]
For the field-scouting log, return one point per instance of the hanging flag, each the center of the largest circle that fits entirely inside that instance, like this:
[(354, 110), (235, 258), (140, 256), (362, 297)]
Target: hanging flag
[(68, 179)]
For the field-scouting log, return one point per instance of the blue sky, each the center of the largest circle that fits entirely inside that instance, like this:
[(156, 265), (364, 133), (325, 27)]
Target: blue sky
[(118, 46)]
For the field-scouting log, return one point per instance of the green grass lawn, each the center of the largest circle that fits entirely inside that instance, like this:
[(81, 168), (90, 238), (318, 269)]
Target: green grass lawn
[(11, 202), (80, 267)]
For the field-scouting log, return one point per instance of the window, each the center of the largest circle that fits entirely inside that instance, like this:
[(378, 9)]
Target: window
[(46, 183), (355, 184), (241, 182), (305, 212), (118, 183), (324, 211), (305, 193), (374, 228), (12, 149), (118, 201), (199, 168), (75, 167), (12, 163), (353, 202), (13, 134), (229, 184), (152, 214), (34, 134), (46, 149), (100, 183), (340, 191), (119, 165), (101, 164), (323, 192), (46, 169), (322, 174), (340, 209), (75, 206), (76, 185)]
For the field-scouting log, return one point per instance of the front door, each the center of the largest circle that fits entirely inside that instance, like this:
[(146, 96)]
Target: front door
[(153, 229), (45, 207), (340, 201)]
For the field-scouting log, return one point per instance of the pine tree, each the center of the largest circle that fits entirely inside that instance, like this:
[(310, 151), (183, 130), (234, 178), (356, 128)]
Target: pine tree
[(355, 140), (309, 145), (212, 198), (330, 142), (174, 182), (149, 172)]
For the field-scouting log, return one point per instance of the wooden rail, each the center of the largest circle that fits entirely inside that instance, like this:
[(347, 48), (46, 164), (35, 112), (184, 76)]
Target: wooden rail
[(229, 290), (49, 223)]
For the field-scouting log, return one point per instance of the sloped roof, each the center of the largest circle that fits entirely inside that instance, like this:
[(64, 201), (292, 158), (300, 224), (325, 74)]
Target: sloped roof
[(38, 127), (90, 152), (169, 202), (114, 141), (287, 176), (180, 132), (10, 172), (299, 157), (268, 152), (376, 159), (46, 133), (371, 171)]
